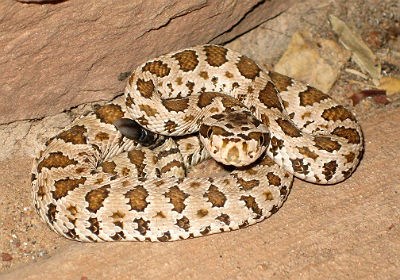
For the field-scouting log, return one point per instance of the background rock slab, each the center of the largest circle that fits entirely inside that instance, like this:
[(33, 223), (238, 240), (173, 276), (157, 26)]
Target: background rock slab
[(56, 56)]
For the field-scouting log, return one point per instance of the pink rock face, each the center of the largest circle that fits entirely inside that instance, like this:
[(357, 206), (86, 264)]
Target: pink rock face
[(59, 54)]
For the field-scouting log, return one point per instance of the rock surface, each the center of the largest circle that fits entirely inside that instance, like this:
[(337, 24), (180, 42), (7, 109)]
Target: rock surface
[(58, 55)]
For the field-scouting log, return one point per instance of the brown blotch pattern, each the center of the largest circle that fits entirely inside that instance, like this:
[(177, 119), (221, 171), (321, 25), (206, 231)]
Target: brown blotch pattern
[(276, 145), (168, 167), (306, 115), (94, 225), (311, 96), (190, 86), (269, 97), (205, 99), (41, 192), (176, 105), (206, 230), (347, 173), (137, 198), (137, 158), (273, 179), (146, 88), (118, 219), (118, 236), (299, 166), (71, 233), (244, 224), (187, 60), (202, 213), (72, 210), (51, 213), (170, 126), (224, 218), (74, 135), (177, 198), (230, 102), (109, 167), (183, 223), (56, 160), (102, 136), (195, 185), (248, 68), (142, 120), (267, 161), (63, 186), (289, 128), (247, 185), (179, 81), (284, 191), (165, 153), (329, 169), (265, 119), (280, 81), (142, 225), (96, 197), (215, 196), (215, 55), (129, 101), (214, 80), (160, 214), (326, 144), (274, 209), (125, 171), (251, 203), (148, 110), (337, 113), (305, 151), (228, 74), (268, 195), (109, 113), (204, 75), (157, 68), (189, 118), (350, 134), (350, 157), (165, 237)]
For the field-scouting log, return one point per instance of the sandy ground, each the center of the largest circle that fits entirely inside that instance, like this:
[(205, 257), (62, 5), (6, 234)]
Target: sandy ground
[(346, 231)]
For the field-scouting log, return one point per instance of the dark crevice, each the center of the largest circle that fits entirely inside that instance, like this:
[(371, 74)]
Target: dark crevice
[(44, 2), (242, 19)]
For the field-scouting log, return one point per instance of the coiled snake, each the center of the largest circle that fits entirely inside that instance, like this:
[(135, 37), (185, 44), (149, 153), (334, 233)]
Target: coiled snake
[(105, 178)]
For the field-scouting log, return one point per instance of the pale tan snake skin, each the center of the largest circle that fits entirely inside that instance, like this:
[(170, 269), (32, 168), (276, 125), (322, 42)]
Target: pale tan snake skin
[(91, 183)]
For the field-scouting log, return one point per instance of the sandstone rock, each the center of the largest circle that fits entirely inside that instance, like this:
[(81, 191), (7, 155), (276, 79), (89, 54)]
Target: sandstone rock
[(58, 55)]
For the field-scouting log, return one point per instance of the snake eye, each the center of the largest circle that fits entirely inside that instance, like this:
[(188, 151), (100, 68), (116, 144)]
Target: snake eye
[(209, 132)]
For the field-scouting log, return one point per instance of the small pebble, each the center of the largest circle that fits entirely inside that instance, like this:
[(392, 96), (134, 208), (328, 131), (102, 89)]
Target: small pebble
[(6, 257)]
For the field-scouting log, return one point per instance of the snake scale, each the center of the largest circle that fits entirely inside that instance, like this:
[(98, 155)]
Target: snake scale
[(119, 173)]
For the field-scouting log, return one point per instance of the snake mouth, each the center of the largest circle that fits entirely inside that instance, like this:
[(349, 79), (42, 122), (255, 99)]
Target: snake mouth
[(235, 152)]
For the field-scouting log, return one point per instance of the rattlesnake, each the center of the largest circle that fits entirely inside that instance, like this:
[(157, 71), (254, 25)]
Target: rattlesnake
[(93, 183)]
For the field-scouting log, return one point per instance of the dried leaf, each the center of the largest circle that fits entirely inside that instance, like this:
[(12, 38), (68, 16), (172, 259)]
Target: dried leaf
[(361, 54), (377, 95)]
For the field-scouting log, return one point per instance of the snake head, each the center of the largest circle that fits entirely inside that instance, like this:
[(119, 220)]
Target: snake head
[(234, 138), (132, 130)]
